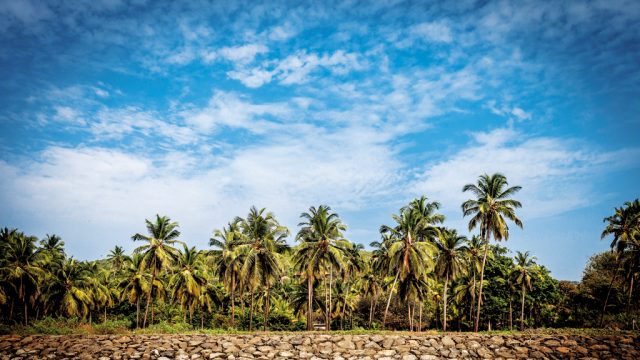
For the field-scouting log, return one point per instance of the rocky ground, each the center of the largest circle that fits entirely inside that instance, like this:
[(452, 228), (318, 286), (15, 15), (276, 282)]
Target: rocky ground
[(318, 346)]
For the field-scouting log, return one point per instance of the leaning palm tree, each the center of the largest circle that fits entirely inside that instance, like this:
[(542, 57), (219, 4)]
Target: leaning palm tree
[(159, 251), (522, 275), (263, 238), (492, 204), (450, 262), (410, 246), (322, 247), (228, 261)]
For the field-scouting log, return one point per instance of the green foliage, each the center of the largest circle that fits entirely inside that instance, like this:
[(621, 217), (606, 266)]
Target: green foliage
[(419, 275)]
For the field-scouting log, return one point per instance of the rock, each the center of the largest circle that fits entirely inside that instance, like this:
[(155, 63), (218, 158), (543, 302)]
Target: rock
[(563, 350), (387, 352), (497, 340), (346, 344), (409, 357), (160, 358), (552, 343), (448, 342), (286, 354)]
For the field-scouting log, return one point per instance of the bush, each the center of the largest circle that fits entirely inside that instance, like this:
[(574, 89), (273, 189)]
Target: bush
[(166, 328), (57, 326)]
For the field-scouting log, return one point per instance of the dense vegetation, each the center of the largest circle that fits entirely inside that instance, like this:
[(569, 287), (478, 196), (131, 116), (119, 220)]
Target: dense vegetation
[(419, 275)]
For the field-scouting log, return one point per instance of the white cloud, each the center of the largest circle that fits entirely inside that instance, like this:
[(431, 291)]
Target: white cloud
[(230, 109), (432, 31), (242, 54), (68, 115), (556, 175)]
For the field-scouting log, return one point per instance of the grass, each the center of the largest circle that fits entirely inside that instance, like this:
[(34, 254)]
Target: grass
[(63, 326)]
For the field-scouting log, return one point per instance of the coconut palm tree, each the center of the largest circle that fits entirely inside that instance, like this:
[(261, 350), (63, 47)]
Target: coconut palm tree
[(117, 258), (70, 289), (624, 226), (188, 280), (135, 283), (228, 261), (158, 252), (322, 248), (20, 267), (371, 287), (263, 238), (522, 275), (492, 204), (410, 247), (52, 246), (450, 262)]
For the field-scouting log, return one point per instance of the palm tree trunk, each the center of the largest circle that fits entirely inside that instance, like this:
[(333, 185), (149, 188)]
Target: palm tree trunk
[(26, 316), (479, 300), (420, 318), (310, 303), (266, 308), (251, 313), (630, 295), (606, 301), (386, 310), (444, 303), (233, 304), (201, 318), (409, 315), (473, 298), (138, 312), (146, 310), (330, 293), (510, 313), (105, 315), (371, 313), (522, 308)]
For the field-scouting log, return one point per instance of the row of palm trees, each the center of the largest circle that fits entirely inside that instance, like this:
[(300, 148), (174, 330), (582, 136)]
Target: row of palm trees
[(417, 262)]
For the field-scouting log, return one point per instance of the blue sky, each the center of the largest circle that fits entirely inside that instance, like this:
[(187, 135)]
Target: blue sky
[(112, 111)]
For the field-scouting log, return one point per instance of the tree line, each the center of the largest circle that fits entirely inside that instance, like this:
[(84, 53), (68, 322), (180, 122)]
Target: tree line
[(420, 274)]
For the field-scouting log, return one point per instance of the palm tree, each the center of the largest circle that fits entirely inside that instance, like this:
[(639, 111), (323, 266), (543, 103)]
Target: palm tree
[(20, 266), (624, 225), (158, 253), (489, 209), (475, 251), (450, 262), (52, 246), (70, 289), (322, 247), (522, 276), (371, 286), (135, 283), (117, 258), (263, 238), (188, 280), (409, 245), (228, 261)]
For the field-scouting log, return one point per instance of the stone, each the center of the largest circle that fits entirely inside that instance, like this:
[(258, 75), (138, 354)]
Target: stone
[(346, 344), (448, 342), (497, 340), (552, 343), (563, 349)]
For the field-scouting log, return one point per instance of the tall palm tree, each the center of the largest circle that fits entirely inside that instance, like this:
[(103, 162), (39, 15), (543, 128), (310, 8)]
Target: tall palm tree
[(228, 261), (410, 246), (475, 252), (20, 267), (158, 252), (135, 283), (522, 274), (188, 280), (450, 262), (53, 247), (322, 248), (624, 226), (492, 204), (372, 287), (263, 238)]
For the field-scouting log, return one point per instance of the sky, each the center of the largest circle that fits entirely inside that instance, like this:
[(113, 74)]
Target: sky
[(113, 111)]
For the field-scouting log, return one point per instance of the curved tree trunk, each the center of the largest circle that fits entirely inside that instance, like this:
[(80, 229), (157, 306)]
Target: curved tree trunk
[(371, 305), (386, 310), (479, 300), (146, 310)]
